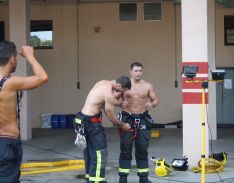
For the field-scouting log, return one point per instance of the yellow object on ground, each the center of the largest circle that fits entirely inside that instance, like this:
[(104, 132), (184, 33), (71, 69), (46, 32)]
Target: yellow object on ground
[(155, 134), (162, 169), (211, 166), (46, 167)]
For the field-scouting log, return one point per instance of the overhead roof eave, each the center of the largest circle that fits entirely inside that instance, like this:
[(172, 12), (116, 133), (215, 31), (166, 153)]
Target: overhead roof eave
[(226, 3)]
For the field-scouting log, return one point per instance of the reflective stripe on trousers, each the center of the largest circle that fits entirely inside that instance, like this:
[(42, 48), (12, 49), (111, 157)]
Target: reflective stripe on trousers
[(141, 141), (95, 154)]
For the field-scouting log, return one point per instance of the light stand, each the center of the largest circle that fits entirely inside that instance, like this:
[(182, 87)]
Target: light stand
[(217, 76), (203, 155)]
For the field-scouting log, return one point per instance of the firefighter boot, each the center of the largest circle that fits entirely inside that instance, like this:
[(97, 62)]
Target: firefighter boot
[(144, 180), (123, 179)]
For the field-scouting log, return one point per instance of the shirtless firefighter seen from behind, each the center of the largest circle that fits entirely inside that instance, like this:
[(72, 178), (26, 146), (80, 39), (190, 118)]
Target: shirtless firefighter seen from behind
[(10, 144)]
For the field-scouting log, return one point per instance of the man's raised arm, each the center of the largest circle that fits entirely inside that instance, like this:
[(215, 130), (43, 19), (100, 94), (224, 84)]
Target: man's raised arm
[(39, 74)]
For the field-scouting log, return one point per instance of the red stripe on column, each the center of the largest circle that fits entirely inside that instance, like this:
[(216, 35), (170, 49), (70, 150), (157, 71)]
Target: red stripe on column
[(193, 84), (194, 98), (202, 66)]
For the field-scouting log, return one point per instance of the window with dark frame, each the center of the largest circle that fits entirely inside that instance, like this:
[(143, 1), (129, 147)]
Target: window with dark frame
[(152, 11), (229, 30), (128, 11), (2, 31), (41, 35)]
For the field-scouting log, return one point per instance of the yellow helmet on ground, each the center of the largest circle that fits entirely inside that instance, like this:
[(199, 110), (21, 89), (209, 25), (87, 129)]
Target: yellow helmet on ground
[(161, 168)]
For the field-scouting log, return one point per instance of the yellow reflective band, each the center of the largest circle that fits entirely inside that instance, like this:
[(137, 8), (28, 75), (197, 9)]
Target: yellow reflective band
[(98, 169), (86, 176), (143, 170), (96, 179), (122, 170), (77, 121), (99, 163)]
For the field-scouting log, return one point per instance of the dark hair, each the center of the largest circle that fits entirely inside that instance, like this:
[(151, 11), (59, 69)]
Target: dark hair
[(7, 50), (137, 64), (124, 81)]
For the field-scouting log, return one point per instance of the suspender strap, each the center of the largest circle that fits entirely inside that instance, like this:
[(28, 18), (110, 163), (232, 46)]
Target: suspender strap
[(18, 97), (2, 82)]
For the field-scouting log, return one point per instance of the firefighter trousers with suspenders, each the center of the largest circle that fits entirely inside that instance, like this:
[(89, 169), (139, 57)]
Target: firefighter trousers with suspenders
[(140, 133), (95, 155)]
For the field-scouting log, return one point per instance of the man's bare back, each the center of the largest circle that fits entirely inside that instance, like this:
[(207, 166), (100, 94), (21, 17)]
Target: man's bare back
[(97, 96), (8, 93), (8, 117)]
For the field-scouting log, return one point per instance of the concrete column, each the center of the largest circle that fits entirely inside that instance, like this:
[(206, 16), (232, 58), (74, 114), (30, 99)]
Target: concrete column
[(19, 33), (211, 59), (195, 53)]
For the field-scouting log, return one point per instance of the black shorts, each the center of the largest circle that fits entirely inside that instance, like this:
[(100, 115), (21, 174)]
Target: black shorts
[(10, 159)]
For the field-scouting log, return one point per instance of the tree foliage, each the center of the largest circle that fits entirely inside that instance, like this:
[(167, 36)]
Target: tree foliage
[(36, 42)]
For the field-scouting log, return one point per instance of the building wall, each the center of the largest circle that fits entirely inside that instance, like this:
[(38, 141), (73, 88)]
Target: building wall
[(4, 16), (108, 54), (59, 95), (224, 54)]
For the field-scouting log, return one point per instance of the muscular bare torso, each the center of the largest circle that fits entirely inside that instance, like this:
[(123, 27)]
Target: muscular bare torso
[(8, 113), (137, 97), (95, 100)]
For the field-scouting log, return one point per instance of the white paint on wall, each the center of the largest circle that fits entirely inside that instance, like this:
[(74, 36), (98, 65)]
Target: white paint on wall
[(193, 31), (192, 136)]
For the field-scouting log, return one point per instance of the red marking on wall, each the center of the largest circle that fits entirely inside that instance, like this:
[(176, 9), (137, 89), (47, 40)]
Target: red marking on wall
[(194, 98), (196, 83)]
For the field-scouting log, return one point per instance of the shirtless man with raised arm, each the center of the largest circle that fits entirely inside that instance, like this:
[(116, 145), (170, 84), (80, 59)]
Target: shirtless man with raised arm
[(137, 103), (10, 144), (103, 96)]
